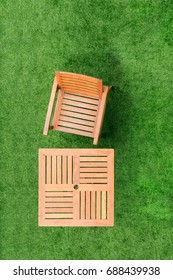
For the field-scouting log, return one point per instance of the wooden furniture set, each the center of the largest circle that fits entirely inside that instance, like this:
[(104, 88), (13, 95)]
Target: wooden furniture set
[(76, 186)]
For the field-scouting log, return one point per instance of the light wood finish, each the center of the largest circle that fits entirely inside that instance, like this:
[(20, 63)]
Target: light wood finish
[(103, 205), (93, 181), (54, 166), (81, 99), (58, 210), (50, 107), (75, 131), (86, 170), (82, 206), (93, 175), (77, 115), (77, 121), (80, 105), (93, 164), (48, 168), (98, 202), (75, 126), (61, 203), (84, 110), (100, 114), (93, 158), (57, 109), (70, 170)]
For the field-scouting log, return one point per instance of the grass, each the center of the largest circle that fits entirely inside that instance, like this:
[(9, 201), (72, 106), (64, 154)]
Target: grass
[(128, 44)]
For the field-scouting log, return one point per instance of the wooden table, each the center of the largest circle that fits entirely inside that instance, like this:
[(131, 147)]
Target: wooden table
[(76, 187)]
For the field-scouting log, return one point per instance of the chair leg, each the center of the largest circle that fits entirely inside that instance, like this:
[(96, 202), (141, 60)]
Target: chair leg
[(95, 141)]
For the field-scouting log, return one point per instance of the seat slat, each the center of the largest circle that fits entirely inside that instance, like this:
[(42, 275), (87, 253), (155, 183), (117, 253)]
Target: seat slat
[(77, 115), (79, 110), (79, 104), (81, 98), (78, 121), (74, 131), (75, 126)]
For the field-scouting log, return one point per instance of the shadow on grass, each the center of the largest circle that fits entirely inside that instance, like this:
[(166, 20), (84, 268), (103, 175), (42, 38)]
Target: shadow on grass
[(106, 66)]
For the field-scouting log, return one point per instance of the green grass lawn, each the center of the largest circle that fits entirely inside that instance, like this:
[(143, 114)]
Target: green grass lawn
[(128, 44)]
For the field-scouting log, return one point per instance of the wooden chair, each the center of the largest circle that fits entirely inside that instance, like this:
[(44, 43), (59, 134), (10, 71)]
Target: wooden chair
[(80, 105)]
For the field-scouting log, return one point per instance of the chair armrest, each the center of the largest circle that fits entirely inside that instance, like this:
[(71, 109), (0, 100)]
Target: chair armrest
[(101, 112), (50, 107)]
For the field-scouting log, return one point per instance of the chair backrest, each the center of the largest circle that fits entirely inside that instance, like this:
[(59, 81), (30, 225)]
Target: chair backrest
[(79, 84)]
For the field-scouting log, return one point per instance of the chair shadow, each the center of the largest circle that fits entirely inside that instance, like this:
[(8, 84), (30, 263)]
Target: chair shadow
[(106, 66)]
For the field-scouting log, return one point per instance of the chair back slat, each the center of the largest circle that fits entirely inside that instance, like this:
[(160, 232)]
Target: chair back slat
[(79, 84)]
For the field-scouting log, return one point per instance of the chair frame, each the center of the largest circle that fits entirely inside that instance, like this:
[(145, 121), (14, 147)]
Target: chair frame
[(57, 88)]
